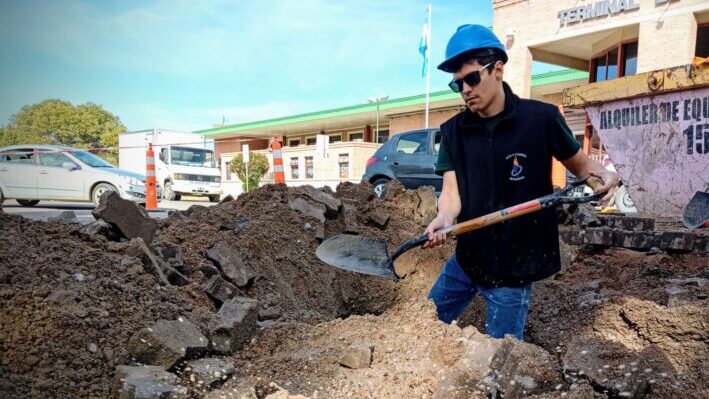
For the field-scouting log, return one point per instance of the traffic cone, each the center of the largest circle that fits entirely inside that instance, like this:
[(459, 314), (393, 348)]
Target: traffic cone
[(151, 192), (279, 176)]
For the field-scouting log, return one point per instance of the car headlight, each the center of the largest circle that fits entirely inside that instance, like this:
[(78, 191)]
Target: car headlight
[(179, 176), (132, 181)]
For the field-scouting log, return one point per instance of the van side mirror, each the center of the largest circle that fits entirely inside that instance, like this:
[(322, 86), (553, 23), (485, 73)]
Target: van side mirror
[(69, 166)]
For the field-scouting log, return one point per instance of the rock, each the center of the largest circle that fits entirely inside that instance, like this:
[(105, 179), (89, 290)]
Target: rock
[(79, 277), (170, 254), (378, 217), (65, 217), (316, 211), (686, 291), (349, 213), (585, 216), (523, 369), (147, 382), (132, 220), (209, 270), (231, 264), (320, 232), (63, 297), (236, 324), (226, 199), (168, 341), (219, 289), (270, 313), (210, 371), (99, 227), (307, 226), (332, 204), (428, 205), (239, 224), (608, 365), (358, 355), (93, 348)]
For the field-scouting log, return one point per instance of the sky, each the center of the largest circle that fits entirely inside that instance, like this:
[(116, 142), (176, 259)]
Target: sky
[(190, 65)]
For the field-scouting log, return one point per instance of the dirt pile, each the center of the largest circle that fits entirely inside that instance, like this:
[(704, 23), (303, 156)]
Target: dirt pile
[(614, 323)]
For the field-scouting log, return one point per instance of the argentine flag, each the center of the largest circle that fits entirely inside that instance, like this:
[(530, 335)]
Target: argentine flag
[(423, 45)]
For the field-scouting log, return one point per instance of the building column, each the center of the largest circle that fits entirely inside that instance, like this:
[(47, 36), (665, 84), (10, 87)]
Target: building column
[(368, 134), (518, 70), (676, 36)]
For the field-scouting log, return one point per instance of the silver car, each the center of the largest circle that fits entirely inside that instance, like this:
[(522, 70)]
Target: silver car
[(30, 173)]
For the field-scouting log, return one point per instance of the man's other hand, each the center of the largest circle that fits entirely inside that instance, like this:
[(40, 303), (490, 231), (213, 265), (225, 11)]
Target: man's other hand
[(610, 181), (435, 236)]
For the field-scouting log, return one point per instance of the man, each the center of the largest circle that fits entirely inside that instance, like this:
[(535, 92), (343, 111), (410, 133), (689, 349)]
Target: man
[(497, 153)]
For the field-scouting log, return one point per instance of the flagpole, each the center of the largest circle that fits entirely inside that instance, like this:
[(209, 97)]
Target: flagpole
[(428, 64)]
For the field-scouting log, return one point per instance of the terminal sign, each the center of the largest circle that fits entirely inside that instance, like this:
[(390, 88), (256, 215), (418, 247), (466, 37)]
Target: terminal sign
[(595, 10)]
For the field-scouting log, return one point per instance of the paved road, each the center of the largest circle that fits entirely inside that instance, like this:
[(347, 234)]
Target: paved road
[(48, 209)]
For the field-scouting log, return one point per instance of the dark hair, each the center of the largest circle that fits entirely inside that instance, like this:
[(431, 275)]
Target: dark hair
[(482, 56)]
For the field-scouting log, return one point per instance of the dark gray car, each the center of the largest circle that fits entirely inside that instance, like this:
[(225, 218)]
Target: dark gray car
[(409, 157)]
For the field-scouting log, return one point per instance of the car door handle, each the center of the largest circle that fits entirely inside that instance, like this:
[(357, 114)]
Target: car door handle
[(395, 163), (43, 172)]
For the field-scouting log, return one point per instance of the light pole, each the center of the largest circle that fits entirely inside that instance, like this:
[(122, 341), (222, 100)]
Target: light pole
[(377, 100)]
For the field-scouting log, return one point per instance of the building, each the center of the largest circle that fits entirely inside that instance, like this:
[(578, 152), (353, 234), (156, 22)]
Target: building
[(353, 134), (607, 38)]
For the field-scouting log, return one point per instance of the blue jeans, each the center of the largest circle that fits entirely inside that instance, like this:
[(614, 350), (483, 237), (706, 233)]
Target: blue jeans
[(507, 307)]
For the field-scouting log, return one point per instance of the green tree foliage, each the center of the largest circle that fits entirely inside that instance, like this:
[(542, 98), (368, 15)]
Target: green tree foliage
[(59, 122), (258, 166)]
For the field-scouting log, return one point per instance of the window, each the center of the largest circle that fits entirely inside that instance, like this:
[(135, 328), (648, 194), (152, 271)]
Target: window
[(53, 159), (383, 136), (412, 143), (617, 61), (702, 48), (357, 136), (335, 138), (309, 168), (293, 142), (311, 140), (344, 161), (294, 169), (163, 155), (437, 142), (229, 176), (18, 155)]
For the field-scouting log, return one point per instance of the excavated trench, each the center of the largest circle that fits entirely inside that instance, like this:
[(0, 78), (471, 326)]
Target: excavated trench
[(70, 303)]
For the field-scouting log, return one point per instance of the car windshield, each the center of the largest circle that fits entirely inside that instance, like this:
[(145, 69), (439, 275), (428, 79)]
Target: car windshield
[(192, 157), (91, 159)]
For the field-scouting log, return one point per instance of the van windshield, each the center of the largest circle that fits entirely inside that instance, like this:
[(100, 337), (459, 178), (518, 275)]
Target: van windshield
[(192, 157)]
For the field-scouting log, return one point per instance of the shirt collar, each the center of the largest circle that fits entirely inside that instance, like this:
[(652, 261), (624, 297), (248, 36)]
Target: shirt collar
[(473, 119)]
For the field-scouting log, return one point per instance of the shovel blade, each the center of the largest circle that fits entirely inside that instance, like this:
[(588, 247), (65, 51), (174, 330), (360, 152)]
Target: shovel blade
[(358, 254), (696, 214)]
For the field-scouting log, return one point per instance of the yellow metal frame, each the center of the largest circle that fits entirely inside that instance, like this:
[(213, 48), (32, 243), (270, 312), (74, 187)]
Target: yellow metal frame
[(684, 77)]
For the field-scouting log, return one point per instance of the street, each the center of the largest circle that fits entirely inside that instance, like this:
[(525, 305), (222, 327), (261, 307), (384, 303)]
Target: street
[(49, 209)]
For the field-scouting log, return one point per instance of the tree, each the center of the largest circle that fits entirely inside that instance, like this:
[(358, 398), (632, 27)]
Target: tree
[(258, 166), (59, 122)]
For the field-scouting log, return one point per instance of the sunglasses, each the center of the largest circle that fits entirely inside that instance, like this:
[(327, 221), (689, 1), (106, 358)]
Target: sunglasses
[(472, 79)]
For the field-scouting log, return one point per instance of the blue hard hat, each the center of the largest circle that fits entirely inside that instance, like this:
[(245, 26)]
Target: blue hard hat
[(470, 38)]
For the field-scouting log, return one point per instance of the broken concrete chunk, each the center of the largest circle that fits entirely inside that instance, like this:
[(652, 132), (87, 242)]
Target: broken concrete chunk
[(627, 222), (349, 213), (170, 254), (523, 369), (379, 218), (320, 232), (270, 313), (229, 260), (65, 217), (358, 355), (332, 204), (168, 341), (686, 291), (99, 227), (219, 289), (147, 382), (238, 224), (316, 211), (128, 216), (209, 372), (236, 324), (585, 216)]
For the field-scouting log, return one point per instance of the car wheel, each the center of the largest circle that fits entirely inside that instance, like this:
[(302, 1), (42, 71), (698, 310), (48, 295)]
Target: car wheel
[(99, 190), (169, 194), (214, 198), (380, 187), (25, 202)]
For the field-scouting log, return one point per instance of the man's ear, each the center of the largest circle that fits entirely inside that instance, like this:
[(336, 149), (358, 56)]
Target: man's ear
[(499, 70)]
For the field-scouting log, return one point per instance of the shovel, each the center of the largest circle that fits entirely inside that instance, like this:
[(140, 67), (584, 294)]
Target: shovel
[(370, 255), (696, 214)]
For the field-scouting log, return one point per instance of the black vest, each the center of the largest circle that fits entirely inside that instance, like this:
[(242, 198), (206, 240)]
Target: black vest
[(498, 169)]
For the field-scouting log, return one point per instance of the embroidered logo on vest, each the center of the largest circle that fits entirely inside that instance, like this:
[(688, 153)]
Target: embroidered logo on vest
[(518, 159)]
